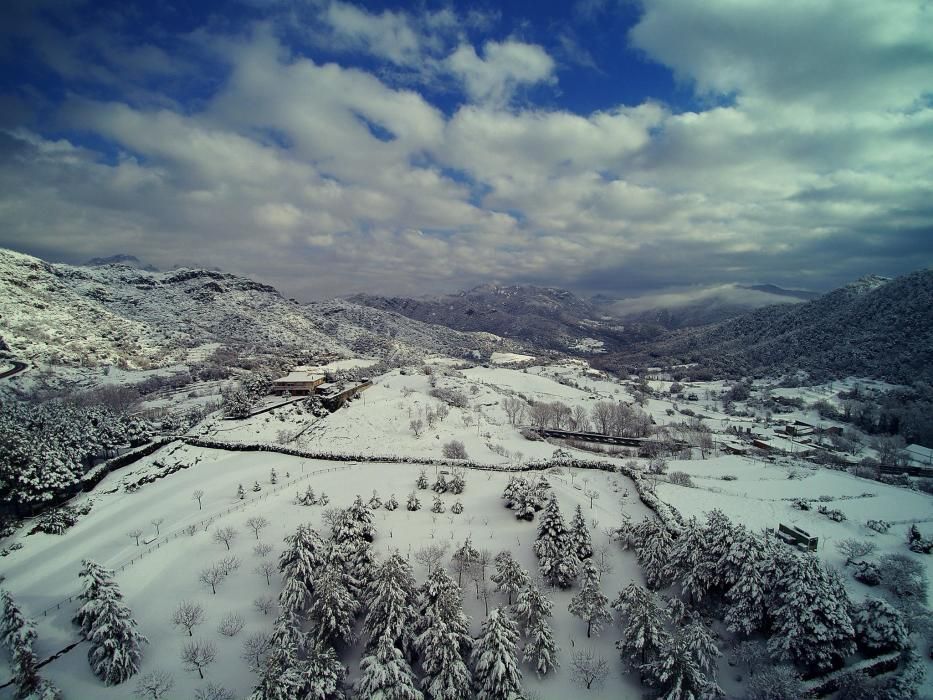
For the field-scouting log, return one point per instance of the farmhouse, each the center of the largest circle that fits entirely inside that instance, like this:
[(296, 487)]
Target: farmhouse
[(298, 382), (919, 456)]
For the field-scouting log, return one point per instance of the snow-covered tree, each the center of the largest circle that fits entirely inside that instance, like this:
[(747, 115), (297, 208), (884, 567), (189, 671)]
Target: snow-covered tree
[(446, 674), (391, 503), (386, 675), (276, 658), (653, 543), (188, 616), (748, 596), (299, 563), (495, 668), (509, 575), (590, 605), (702, 646), (463, 558), (18, 635), (532, 609), (334, 606), (809, 614), (390, 603), (98, 584), (556, 559), (581, 542), (643, 624), (879, 627), (413, 502), (322, 673), (690, 563), (457, 483), (422, 482), (115, 645), (677, 672), (438, 505)]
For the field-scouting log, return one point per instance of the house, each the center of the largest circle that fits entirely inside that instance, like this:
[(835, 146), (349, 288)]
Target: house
[(298, 383), (799, 428), (336, 394), (919, 456)]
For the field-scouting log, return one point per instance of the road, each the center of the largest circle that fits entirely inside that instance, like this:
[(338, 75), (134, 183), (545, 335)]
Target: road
[(17, 368)]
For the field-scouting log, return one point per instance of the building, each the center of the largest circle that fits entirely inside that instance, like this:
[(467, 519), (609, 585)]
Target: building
[(298, 383), (919, 456), (336, 394)]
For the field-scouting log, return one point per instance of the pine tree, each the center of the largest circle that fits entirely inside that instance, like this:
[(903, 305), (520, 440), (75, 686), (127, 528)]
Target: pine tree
[(643, 621), (809, 614), (581, 542), (256, 487), (357, 523), (748, 595), (18, 635), (385, 675), (334, 607), (744, 546), (115, 650), (438, 506), (443, 639), (720, 536), (509, 575), (323, 674), (299, 564), (702, 646), (590, 605), (422, 482), (879, 627), (240, 493), (273, 477), (690, 563), (457, 483), (556, 560), (532, 608), (98, 583), (677, 672), (653, 548), (413, 502), (392, 503), (495, 670), (282, 674), (307, 498), (390, 601)]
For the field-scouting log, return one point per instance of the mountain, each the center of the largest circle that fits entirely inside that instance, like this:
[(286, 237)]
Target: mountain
[(120, 315), (696, 307), (875, 327), (546, 317), (121, 259)]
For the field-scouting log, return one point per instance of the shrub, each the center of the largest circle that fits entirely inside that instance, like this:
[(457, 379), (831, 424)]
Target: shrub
[(454, 450), (680, 479), (231, 625), (452, 397)]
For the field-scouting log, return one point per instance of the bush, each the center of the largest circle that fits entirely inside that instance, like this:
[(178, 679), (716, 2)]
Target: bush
[(452, 397), (454, 450), (680, 479), (231, 625)]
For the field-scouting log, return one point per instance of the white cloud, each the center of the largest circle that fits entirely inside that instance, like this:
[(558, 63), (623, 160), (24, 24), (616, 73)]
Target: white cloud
[(503, 68)]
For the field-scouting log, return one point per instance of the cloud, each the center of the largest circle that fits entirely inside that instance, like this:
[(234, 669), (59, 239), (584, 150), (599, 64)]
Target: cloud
[(504, 68)]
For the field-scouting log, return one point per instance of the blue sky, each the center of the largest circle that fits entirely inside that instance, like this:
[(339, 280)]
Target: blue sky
[(610, 146)]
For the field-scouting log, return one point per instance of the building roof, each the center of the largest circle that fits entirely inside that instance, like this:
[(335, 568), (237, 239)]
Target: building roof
[(919, 454), (299, 376)]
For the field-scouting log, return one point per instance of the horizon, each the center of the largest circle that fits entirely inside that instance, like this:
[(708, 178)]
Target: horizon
[(331, 148)]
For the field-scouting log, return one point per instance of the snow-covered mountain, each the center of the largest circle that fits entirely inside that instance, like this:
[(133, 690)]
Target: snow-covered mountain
[(120, 315)]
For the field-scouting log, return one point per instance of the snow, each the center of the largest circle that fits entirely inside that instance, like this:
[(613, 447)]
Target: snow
[(508, 358)]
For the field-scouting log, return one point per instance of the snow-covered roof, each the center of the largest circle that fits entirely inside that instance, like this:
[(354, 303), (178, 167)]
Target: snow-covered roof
[(297, 376), (919, 454)]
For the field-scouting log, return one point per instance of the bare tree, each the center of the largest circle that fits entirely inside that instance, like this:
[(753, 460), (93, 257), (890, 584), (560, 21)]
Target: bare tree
[(601, 558), (262, 549), (257, 523), (853, 549), (417, 427), (197, 496), (198, 655), (231, 624), (256, 648), (188, 615), (588, 669), (157, 524), (154, 685), (602, 414), (580, 420), (135, 534), (264, 604), (212, 576), (514, 409), (267, 568), (212, 691), (229, 564), (592, 494), (225, 535), (431, 555)]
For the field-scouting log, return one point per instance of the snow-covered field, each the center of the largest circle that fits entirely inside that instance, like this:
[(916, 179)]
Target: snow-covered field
[(43, 573)]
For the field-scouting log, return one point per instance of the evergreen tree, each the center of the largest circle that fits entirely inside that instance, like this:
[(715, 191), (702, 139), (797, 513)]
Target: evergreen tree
[(690, 563), (748, 595), (556, 559), (809, 614), (702, 646), (495, 670), (18, 635), (879, 627), (282, 674), (334, 607), (643, 632), (115, 650), (299, 564), (743, 547), (457, 483), (440, 599), (719, 535), (323, 674), (590, 605), (532, 608), (390, 601), (385, 675), (422, 482), (653, 545), (240, 493), (392, 503), (446, 675), (580, 541), (98, 584), (413, 502), (676, 671), (509, 575)]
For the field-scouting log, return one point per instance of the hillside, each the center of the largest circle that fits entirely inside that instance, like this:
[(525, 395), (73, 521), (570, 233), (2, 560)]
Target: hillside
[(543, 316), (121, 315), (873, 328)]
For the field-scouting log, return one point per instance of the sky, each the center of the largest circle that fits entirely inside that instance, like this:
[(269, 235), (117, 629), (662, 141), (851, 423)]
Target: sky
[(329, 147)]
